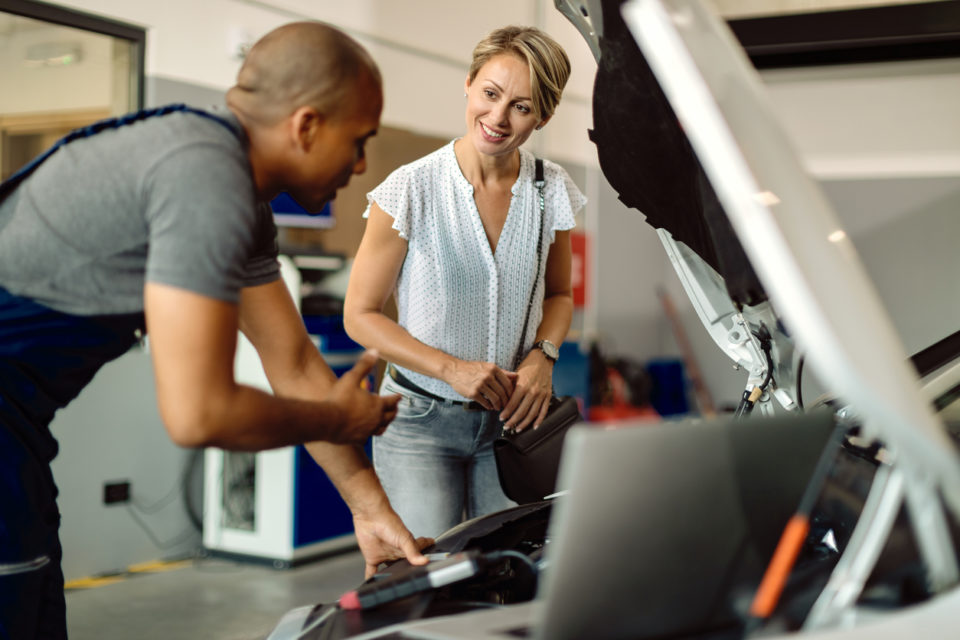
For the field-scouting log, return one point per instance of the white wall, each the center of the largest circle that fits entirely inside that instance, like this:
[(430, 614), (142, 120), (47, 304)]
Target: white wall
[(112, 432), (896, 119), (423, 49)]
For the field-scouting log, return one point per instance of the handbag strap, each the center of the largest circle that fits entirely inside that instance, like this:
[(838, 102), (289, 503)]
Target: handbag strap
[(539, 183)]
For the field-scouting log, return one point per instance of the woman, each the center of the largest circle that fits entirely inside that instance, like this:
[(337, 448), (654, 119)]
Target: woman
[(455, 235)]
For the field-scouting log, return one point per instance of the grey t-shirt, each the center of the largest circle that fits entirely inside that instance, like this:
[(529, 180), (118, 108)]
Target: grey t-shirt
[(169, 199)]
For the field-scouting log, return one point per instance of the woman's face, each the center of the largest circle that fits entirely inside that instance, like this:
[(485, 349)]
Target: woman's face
[(499, 106)]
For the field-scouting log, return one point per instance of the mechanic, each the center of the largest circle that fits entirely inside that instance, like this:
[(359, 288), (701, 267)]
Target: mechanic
[(157, 222), (455, 234)]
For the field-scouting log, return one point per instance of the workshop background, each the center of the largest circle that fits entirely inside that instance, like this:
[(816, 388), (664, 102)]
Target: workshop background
[(883, 140)]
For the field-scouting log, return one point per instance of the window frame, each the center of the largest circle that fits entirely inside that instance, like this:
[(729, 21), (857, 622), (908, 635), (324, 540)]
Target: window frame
[(137, 36)]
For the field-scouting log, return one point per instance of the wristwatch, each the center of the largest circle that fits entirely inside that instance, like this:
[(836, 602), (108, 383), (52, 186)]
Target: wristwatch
[(549, 349)]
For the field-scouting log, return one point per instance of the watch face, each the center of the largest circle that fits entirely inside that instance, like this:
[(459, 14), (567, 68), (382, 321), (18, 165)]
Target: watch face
[(549, 349)]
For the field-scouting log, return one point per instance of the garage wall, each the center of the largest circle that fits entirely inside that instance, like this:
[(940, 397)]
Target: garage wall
[(423, 49)]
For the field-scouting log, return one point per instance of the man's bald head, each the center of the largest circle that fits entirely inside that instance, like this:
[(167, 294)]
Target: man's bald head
[(302, 64)]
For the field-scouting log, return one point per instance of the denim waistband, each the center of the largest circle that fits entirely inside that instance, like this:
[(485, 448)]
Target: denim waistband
[(404, 382)]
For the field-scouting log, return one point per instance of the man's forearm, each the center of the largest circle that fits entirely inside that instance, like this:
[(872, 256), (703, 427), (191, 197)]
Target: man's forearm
[(234, 420), (347, 466), (352, 474)]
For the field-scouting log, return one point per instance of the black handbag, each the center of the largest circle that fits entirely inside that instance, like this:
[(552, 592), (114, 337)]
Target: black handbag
[(528, 461)]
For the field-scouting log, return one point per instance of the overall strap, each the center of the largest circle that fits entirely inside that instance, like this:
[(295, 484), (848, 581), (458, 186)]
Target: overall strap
[(539, 183), (102, 125)]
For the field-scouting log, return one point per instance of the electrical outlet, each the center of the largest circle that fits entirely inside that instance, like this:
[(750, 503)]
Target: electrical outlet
[(116, 492)]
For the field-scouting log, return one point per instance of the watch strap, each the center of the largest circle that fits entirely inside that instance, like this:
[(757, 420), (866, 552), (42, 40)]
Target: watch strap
[(539, 344)]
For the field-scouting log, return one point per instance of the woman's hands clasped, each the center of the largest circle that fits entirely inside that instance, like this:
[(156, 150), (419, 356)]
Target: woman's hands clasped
[(532, 391), (521, 397), (483, 382)]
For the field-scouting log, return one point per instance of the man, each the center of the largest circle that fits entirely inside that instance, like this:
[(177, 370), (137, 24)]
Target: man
[(157, 224)]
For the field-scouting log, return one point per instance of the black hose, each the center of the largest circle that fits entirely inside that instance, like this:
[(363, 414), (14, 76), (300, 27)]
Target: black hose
[(800, 384), (193, 511)]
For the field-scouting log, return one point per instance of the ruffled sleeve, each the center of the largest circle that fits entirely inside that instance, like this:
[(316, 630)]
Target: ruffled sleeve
[(396, 196), (562, 199)]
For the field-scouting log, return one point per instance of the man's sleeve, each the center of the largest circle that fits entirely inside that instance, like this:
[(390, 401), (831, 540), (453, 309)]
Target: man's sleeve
[(202, 220)]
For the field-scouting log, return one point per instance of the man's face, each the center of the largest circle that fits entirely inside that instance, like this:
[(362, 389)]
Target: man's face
[(338, 150)]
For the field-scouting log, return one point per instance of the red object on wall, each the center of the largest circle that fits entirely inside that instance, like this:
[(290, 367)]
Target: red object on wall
[(578, 276), (615, 407)]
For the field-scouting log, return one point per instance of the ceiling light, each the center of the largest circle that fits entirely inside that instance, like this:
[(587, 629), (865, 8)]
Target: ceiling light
[(53, 54)]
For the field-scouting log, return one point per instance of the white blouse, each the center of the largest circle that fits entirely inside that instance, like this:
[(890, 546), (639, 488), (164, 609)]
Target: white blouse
[(453, 292)]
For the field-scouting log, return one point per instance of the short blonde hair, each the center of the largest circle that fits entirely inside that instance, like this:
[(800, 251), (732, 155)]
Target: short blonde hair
[(547, 61)]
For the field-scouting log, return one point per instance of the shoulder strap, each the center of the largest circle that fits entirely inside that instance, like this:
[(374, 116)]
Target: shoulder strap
[(539, 183), (97, 127)]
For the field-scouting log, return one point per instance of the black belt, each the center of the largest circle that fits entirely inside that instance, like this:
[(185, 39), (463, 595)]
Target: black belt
[(404, 382)]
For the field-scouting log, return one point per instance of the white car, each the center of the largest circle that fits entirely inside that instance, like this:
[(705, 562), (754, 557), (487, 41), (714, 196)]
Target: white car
[(779, 287)]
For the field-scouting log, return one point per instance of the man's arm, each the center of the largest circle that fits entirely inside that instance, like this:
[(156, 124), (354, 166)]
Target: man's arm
[(296, 369), (193, 342)]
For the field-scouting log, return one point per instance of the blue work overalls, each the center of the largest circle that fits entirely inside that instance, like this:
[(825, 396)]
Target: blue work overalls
[(46, 359)]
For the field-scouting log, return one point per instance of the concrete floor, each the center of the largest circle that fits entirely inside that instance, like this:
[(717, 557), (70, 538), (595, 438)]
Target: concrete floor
[(207, 598)]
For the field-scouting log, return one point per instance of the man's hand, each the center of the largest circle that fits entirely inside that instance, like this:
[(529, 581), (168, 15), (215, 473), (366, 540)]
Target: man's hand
[(482, 382), (363, 414), (383, 537)]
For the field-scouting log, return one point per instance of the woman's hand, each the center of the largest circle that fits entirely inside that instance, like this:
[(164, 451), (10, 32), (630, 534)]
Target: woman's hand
[(482, 382), (531, 394)]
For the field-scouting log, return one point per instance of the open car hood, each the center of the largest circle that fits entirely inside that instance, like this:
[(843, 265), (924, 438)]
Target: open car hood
[(685, 134)]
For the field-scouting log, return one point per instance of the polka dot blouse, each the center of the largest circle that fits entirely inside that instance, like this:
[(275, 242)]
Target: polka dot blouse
[(453, 292)]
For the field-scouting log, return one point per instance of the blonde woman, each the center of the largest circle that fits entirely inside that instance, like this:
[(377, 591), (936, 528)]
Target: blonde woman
[(454, 236)]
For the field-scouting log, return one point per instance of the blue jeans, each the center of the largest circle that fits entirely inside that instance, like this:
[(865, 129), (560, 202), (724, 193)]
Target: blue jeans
[(435, 461)]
